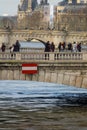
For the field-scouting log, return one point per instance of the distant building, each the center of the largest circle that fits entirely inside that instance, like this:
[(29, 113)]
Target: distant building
[(77, 1), (73, 2), (25, 8), (27, 5), (44, 2), (33, 15), (34, 4), (71, 15), (8, 22)]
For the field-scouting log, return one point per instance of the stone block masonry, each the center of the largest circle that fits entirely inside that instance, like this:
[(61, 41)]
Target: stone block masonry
[(74, 74), (9, 38)]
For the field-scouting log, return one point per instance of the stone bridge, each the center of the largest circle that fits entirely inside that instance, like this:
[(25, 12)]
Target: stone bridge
[(10, 36), (62, 68), (35, 38)]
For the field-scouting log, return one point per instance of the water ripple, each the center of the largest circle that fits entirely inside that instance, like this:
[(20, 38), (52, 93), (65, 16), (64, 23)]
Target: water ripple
[(37, 94)]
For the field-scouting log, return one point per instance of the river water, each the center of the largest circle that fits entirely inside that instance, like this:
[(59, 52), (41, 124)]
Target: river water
[(28, 105), (32, 44)]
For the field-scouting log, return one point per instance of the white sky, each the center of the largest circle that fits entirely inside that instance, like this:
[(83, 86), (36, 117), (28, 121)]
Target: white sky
[(10, 6)]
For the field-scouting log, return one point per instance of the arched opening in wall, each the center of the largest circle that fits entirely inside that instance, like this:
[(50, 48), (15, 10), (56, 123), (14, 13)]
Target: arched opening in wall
[(32, 45), (36, 40)]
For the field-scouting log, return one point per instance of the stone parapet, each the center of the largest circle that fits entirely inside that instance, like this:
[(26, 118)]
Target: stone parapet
[(44, 56)]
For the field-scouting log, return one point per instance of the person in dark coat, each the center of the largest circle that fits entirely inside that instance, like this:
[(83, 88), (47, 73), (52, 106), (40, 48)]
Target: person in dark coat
[(3, 47), (79, 47), (52, 47), (16, 46), (59, 46), (70, 48), (47, 47), (64, 45)]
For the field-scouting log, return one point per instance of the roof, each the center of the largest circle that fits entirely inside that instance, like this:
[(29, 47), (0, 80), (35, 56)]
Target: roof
[(75, 9)]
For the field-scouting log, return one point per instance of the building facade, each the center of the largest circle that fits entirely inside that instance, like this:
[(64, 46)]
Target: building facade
[(32, 15), (71, 15)]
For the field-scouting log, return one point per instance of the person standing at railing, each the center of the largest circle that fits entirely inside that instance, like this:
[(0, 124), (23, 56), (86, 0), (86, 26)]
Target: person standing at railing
[(11, 48), (3, 47), (74, 47), (47, 47), (60, 47), (70, 48), (79, 47), (63, 46), (52, 47), (16, 46)]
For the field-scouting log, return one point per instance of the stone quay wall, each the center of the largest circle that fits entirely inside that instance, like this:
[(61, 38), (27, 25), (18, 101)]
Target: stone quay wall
[(70, 73)]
